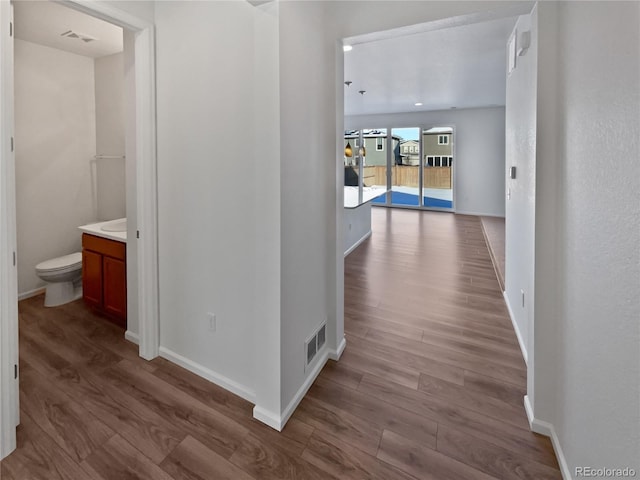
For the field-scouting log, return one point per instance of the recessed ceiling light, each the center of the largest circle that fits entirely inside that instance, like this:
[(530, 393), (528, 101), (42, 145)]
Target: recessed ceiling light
[(347, 48), (418, 104)]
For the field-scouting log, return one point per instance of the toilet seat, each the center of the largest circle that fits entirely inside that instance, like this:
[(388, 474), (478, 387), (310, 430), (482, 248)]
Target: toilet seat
[(69, 262)]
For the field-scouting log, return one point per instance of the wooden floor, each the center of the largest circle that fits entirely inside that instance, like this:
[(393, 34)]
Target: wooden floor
[(430, 385)]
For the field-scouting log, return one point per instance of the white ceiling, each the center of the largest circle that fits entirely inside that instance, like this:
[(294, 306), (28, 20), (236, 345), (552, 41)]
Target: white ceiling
[(460, 66), (43, 23)]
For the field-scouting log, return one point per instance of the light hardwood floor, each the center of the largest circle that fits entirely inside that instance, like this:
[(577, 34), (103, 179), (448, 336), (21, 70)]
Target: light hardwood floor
[(429, 387)]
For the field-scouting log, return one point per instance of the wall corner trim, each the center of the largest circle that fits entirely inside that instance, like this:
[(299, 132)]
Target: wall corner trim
[(208, 374), (523, 347), (278, 422), (337, 353), (357, 244), (132, 337), (548, 430), (268, 417)]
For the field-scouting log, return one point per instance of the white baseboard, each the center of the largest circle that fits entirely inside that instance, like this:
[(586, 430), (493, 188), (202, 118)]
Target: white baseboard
[(548, 430), (304, 388), (357, 244), (278, 422), (214, 377), (267, 417), (523, 347), (31, 293), (337, 353), (479, 214), (132, 337)]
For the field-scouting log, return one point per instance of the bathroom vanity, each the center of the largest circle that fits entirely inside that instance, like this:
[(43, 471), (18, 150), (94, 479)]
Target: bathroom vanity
[(104, 270)]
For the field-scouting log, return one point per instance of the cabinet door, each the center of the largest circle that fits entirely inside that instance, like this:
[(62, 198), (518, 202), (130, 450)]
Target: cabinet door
[(115, 288), (92, 278)]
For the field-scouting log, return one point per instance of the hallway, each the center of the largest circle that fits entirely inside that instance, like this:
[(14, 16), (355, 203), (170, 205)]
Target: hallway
[(430, 385), (431, 354)]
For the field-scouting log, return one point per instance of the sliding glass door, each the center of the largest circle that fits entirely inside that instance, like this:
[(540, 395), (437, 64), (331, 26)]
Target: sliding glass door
[(437, 173), (405, 169), (414, 164)]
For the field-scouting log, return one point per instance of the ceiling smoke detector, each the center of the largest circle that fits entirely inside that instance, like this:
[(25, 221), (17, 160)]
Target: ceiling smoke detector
[(80, 36)]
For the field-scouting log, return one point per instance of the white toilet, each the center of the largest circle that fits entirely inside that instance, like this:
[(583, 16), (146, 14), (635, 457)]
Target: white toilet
[(64, 279)]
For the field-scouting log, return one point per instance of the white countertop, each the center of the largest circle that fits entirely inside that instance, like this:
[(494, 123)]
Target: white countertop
[(368, 194), (96, 229)]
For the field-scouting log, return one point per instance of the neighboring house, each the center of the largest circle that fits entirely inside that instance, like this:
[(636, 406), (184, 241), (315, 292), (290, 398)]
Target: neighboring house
[(437, 148), (375, 144), (409, 152)]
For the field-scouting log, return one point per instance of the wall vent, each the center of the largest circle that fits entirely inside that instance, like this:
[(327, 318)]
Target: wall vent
[(314, 344), (312, 349), (81, 36), (322, 336)]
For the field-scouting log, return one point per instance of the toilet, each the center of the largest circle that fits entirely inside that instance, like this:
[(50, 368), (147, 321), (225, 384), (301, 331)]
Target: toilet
[(63, 276)]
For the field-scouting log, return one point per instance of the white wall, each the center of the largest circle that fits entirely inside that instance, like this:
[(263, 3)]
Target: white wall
[(520, 152), (110, 136), (55, 143), (478, 155), (357, 226), (593, 154), (307, 112), (207, 211)]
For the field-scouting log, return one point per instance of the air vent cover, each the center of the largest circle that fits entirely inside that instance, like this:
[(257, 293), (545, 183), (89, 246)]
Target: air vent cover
[(314, 344), (322, 335), (80, 36)]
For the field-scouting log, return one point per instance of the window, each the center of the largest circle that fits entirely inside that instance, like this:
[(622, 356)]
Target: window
[(379, 144), (443, 139), (430, 161)]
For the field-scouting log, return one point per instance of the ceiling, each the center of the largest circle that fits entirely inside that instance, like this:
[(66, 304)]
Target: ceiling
[(43, 23), (456, 67)]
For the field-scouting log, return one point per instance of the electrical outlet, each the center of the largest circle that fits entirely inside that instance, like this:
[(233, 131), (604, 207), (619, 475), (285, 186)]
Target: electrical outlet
[(212, 321), (522, 293)]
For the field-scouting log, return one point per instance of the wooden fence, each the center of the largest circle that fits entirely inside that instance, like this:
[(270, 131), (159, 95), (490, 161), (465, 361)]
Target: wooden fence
[(407, 176)]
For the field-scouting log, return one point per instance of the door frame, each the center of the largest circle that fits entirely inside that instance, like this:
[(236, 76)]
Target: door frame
[(146, 202)]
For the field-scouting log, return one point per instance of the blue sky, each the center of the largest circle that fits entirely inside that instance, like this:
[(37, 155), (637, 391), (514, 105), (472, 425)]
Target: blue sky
[(407, 133)]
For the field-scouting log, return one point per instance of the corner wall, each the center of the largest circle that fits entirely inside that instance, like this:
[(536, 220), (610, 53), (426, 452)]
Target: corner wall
[(478, 157), (307, 96)]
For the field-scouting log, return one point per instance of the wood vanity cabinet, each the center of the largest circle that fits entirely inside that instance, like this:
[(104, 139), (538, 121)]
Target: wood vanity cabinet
[(104, 277)]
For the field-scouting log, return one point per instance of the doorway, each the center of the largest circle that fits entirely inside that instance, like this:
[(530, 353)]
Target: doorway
[(143, 202)]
